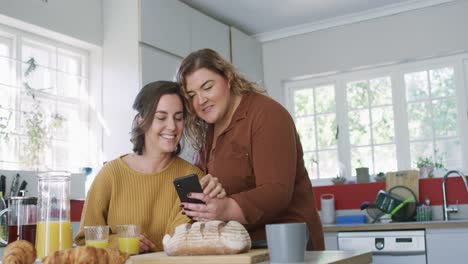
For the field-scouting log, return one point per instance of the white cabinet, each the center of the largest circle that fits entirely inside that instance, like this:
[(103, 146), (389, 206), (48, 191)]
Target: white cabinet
[(331, 240), (166, 25), (247, 55), (209, 33), (157, 65), (446, 245)]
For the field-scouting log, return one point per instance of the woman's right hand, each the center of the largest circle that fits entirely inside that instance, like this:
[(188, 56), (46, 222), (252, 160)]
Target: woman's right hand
[(212, 187)]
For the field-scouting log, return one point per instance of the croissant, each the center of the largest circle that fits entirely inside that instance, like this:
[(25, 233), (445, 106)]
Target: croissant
[(207, 238), (19, 252), (86, 255)]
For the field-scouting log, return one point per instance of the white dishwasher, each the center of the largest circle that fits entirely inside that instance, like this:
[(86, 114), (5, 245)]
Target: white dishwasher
[(400, 246)]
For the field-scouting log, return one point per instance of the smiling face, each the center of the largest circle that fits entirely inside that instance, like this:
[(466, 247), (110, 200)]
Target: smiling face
[(168, 124), (209, 94)]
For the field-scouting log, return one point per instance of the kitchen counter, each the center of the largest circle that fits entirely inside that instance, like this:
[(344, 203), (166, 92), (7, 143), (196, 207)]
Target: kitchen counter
[(316, 257), (337, 257), (397, 226)]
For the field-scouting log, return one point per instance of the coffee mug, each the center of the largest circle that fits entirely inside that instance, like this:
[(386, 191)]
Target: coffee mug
[(287, 242)]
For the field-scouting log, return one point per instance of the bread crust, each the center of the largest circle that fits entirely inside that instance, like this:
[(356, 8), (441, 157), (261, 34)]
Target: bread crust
[(19, 252), (207, 238), (86, 255)]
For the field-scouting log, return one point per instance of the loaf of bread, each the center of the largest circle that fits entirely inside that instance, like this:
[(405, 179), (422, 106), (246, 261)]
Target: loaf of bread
[(207, 238), (19, 252), (86, 255)]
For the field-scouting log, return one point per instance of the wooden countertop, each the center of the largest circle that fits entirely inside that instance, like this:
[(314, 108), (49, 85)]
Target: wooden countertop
[(399, 226), (259, 256), (336, 257)]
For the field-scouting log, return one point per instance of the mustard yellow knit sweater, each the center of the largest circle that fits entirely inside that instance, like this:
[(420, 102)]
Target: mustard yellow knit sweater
[(121, 195)]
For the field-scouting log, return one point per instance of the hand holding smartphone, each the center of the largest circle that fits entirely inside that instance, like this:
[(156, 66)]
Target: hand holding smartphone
[(188, 184)]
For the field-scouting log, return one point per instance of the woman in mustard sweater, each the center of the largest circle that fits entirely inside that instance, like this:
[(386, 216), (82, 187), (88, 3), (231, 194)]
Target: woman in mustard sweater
[(137, 188)]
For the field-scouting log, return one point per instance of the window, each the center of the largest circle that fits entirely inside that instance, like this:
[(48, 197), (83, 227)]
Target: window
[(432, 116), (44, 112), (371, 124), (383, 119), (315, 116)]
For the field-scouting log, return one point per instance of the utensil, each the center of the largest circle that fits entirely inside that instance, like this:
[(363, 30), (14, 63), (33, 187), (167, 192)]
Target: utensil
[(22, 188), (14, 185)]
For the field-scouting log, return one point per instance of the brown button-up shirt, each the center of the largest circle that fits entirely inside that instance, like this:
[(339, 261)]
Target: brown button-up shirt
[(258, 160)]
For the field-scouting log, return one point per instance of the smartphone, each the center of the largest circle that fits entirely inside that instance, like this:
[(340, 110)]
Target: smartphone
[(188, 184)]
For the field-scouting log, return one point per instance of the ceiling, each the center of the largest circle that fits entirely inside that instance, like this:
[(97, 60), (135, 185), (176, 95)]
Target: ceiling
[(265, 19)]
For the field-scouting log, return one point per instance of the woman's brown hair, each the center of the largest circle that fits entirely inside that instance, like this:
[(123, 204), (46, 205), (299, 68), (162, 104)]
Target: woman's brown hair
[(206, 58), (145, 104)]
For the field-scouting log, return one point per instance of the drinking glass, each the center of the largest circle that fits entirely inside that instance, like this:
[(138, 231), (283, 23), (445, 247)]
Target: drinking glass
[(129, 238), (97, 236)]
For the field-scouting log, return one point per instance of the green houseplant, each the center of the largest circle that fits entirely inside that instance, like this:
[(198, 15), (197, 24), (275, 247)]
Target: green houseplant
[(39, 126), (426, 166)]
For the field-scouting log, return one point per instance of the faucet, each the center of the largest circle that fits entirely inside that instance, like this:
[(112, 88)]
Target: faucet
[(445, 208)]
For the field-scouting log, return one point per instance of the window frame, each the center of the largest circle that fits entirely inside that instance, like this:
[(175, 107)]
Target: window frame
[(88, 102), (396, 72)]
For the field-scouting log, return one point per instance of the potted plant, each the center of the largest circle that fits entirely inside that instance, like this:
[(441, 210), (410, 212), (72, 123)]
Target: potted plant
[(362, 173), (426, 166)]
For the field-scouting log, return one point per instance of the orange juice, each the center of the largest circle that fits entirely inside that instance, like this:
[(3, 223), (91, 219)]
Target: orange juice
[(97, 243), (52, 236), (131, 245)]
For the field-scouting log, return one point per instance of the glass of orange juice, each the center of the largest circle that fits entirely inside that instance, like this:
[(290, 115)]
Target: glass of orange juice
[(97, 236), (129, 238)]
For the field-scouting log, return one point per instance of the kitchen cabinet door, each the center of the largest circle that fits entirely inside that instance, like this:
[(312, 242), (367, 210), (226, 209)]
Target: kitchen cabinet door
[(166, 25), (247, 55), (446, 245), (209, 33), (331, 240), (157, 65)]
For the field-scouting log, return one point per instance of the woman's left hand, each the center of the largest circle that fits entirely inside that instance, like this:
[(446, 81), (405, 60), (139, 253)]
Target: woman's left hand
[(213, 208)]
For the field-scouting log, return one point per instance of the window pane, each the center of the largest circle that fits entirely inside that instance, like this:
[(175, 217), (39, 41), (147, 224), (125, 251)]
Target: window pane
[(449, 153), (41, 79), (304, 102), (361, 157), (69, 85), (326, 130), (6, 71), (8, 97), (325, 96), (442, 82), (380, 91), (357, 95), (359, 127), (310, 161), (419, 121), (69, 64), (42, 55), (385, 158), (416, 86), (445, 117), (306, 130), (9, 148), (383, 125), (420, 149), (328, 161)]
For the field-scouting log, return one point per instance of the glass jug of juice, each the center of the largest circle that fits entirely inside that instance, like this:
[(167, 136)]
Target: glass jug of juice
[(54, 231)]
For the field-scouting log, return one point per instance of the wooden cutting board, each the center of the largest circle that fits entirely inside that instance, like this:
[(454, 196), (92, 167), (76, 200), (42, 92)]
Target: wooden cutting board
[(253, 256), (408, 178)]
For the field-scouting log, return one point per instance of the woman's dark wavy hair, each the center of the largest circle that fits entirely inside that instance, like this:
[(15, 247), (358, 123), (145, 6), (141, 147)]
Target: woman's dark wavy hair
[(145, 104)]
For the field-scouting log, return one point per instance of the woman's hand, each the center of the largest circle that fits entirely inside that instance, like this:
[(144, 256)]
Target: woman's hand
[(212, 187), (145, 244), (213, 209)]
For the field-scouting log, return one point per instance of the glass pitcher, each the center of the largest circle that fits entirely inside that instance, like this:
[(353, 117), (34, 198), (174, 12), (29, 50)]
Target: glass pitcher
[(54, 231), (22, 217)]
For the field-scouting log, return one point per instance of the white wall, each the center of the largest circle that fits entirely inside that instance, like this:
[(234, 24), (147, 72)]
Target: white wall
[(121, 77), (79, 19), (425, 32)]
